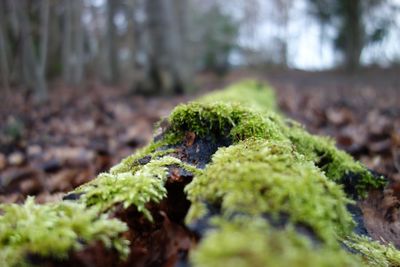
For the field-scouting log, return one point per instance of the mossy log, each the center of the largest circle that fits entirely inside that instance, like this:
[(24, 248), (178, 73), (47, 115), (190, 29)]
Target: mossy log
[(227, 181)]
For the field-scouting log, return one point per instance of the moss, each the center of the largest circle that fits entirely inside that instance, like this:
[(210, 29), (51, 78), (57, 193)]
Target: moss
[(322, 151), (252, 243), (273, 168), (372, 252), (258, 176), (250, 93), (132, 162), (335, 163), (54, 230), (138, 187), (223, 119)]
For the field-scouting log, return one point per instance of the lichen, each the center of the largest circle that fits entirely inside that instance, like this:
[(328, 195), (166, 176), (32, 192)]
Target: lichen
[(373, 252), (259, 176), (253, 243), (54, 230), (138, 187)]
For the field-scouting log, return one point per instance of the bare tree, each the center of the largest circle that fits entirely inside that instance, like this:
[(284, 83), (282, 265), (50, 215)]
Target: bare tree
[(73, 56), (4, 67), (112, 41), (167, 67), (34, 64)]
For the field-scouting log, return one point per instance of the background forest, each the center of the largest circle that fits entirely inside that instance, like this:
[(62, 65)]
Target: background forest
[(157, 46), (82, 82)]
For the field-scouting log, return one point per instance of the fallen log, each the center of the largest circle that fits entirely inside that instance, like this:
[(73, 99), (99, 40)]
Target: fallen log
[(227, 181)]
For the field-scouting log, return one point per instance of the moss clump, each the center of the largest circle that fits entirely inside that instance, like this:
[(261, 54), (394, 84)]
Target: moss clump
[(250, 93), (335, 163), (137, 188), (132, 162), (252, 243), (230, 120), (259, 176), (372, 252), (54, 230), (322, 151)]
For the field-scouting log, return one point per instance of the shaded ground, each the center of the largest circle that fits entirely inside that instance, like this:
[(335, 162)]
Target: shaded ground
[(50, 149)]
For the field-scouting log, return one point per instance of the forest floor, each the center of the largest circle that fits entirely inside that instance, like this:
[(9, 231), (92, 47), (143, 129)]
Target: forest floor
[(46, 150)]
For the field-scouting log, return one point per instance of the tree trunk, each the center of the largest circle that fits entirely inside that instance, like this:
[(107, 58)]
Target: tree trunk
[(353, 32), (4, 66), (112, 41), (73, 57), (168, 70), (34, 64)]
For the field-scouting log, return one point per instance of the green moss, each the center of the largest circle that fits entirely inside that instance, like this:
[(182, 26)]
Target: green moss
[(54, 230), (250, 93), (258, 176), (131, 163), (372, 252), (252, 243), (252, 117), (322, 151), (230, 120), (139, 187), (335, 163), (274, 168)]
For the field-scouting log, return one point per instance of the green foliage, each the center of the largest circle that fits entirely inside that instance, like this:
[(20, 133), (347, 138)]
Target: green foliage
[(54, 230), (268, 177), (373, 252), (252, 243)]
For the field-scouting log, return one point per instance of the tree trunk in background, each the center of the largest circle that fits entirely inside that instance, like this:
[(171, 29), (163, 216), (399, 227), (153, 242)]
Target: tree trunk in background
[(73, 56), (284, 6), (184, 65), (132, 42), (54, 60), (168, 72), (34, 64), (112, 49), (4, 68), (353, 33)]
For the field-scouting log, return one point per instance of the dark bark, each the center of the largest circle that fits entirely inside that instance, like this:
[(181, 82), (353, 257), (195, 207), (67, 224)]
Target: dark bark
[(353, 34), (112, 39)]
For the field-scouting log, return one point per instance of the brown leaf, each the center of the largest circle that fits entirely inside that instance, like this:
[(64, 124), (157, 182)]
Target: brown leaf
[(189, 138), (3, 162)]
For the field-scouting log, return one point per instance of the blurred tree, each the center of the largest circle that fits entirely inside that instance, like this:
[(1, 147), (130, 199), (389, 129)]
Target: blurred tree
[(4, 65), (219, 35), (168, 70), (112, 41), (34, 60), (73, 42), (349, 18)]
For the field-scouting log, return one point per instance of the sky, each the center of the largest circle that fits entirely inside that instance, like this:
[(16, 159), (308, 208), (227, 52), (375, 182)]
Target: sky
[(307, 47), (309, 53)]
